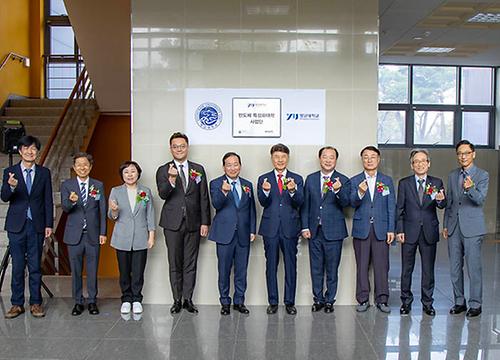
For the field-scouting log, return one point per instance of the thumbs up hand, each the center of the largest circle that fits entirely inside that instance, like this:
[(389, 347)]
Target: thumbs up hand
[(440, 195), (225, 187), (73, 197), (337, 184), (363, 186), (12, 180)]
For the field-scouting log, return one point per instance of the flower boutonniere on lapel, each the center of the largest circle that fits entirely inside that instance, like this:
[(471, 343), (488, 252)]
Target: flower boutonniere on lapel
[(285, 183), (382, 188), (195, 175), (246, 189), (431, 190), (327, 186), (94, 192), (142, 197)]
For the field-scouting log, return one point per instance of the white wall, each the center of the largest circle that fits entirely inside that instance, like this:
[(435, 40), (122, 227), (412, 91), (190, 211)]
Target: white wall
[(324, 44)]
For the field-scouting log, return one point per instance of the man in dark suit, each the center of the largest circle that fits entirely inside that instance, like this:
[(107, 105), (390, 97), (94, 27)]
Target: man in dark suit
[(84, 201), (418, 227), (281, 194), (185, 216), (373, 200), (326, 193), (233, 229), (28, 189), (464, 227)]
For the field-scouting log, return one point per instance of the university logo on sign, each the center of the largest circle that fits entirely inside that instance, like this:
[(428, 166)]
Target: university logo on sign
[(208, 116)]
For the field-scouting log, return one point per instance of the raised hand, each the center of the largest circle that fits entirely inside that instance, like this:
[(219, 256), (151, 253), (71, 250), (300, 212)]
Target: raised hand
[(73, 197), (337, 184), (440, 195), (12, 180), (266, 185), (363, 187), (225, 187)]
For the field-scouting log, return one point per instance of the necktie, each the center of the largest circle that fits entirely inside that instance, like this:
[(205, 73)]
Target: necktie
[(421, 190), (83, 193), (28, 187), (236, 196), (461, 179), (183, 177), (280, 183)]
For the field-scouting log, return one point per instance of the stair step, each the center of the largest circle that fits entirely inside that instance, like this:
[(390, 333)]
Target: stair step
[(33, 120), (33, 111), (37, 102)]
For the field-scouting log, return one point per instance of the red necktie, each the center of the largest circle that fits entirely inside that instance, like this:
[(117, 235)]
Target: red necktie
[(280, 183)]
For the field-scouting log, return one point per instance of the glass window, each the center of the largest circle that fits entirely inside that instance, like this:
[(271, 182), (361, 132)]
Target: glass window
[(391, 127), (434, 85), (393, 84), (57, 8), (62, 40), (433, 127), (476, 86), (475, 127)]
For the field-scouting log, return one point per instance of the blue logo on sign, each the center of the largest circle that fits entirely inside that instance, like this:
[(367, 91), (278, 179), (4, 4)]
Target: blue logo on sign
[(208, 116)]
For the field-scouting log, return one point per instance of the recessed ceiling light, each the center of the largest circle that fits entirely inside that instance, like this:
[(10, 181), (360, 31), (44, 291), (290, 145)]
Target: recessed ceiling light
[(485, 18), (435, 50)]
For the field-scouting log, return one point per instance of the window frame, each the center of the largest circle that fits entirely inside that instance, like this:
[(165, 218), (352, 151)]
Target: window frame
[(458, 109)]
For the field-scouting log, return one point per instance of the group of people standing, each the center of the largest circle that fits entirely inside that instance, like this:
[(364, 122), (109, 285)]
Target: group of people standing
[(291, 208)]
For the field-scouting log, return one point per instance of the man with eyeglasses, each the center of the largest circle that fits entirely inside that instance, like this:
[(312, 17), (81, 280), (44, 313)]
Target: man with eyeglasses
[(464, 227), (185, 218), (418, 227)]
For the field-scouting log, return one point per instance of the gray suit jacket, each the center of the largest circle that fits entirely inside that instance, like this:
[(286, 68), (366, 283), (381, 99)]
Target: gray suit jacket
[(466, 207), (94, 212), (132, 226)]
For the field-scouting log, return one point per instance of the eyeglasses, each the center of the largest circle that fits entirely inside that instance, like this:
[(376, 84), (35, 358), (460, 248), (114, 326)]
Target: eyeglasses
[(178, 147), (418, 162), (464, 154)]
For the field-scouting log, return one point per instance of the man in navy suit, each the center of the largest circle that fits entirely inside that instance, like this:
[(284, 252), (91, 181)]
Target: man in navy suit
[(233, 228), (281, 194), (28, 189), (419, 195), (84, 201), (373, 200), (326, 193), (464, 227)]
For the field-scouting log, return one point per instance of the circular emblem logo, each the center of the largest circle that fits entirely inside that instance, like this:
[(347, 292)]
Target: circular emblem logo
[(208, 116)]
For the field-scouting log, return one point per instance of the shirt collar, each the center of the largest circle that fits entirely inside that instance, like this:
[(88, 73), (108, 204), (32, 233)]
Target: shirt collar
[(24, 168), (80, 181), (276, 173), (230, 181), (417, 178), (329, 175), (185, 163), (370, 177)]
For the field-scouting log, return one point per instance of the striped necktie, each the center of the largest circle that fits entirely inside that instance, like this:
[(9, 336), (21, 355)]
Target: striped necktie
[(83, 193), (29, 183)]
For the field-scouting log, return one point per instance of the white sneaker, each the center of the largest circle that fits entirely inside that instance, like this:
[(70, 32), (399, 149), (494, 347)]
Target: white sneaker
[(136, 307), (125, 309)]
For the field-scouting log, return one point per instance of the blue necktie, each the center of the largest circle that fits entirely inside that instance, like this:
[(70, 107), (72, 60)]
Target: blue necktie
[(28, 187), (236, 196)]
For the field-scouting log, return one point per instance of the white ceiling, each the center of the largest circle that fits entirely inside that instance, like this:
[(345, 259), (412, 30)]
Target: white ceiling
[(398, 23)]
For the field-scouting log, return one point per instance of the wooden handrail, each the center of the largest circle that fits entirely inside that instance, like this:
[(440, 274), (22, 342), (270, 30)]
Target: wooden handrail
[(56, 128)]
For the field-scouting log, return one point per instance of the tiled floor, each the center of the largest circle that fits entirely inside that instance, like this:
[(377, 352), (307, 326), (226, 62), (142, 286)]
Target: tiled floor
[(344, 334)]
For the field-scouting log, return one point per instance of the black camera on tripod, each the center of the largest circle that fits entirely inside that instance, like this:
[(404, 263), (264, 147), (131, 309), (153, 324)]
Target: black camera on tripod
[(10, 133)]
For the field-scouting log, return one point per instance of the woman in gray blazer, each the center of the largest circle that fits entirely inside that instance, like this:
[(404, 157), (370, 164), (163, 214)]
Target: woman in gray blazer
[(131, 208)]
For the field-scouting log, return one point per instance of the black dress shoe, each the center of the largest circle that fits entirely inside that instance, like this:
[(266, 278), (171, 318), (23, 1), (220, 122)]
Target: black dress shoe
[(176, 307), (225, 310), (291, 310), (429, 310), (77, 309), (404, 309), (189, 306), (272, 309), (328, 308), (473, 312), (317, 307), (241, 308), (458, 309), (93, 309)]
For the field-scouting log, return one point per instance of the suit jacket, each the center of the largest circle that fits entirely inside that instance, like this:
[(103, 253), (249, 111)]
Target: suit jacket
[(132, 226), (411, 216), (325, 206), (466, 208), (94, 212), (194, 203), (229, 218), (382, 209), (39, 200), (280, 210)]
